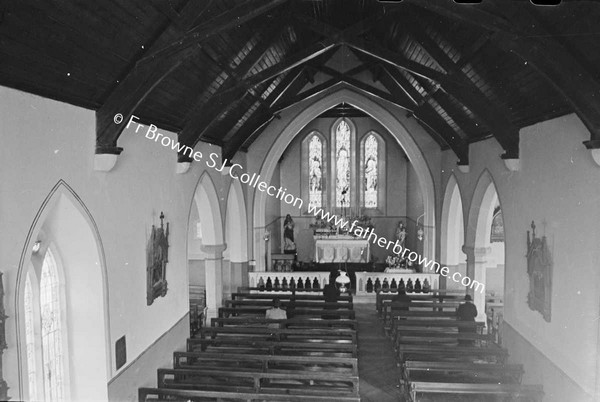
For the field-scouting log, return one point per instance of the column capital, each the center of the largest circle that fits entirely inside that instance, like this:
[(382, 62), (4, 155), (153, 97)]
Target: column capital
[(213, 251), (476, 254)]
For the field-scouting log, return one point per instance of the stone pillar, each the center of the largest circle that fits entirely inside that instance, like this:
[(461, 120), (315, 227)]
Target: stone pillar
[(213, 278), (476, 271)]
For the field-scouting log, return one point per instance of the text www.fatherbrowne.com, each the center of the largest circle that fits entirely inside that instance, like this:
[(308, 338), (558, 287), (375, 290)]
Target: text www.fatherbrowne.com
[(254, 180)]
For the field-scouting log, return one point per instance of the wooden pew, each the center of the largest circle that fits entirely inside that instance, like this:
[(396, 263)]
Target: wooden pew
[(434, 295), (298, 322), (155, 394), (225, 312), (516, 392), (439, 325), (278, 333), (433, 337), (412, 314), (443, 352), (304, 304), (431, 305), (285, 296), (232, 361), (289, 382), (425, 371), (272, 347)]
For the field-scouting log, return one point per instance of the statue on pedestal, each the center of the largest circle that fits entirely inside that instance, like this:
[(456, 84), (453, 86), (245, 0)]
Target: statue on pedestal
[(289, 246), (400, 234)]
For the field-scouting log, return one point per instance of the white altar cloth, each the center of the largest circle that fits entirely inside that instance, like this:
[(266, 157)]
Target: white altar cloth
[(341, 249)]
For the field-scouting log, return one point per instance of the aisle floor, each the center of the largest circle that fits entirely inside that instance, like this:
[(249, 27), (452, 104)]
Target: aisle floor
[(379, 375)]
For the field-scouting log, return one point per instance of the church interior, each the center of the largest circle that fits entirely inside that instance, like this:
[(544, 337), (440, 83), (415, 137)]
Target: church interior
[(299, 200)]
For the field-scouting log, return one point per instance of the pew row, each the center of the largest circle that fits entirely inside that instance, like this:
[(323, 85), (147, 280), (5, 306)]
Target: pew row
[(290, 382), (299, 322), (231, 361), (343, 312), (515, 392), (241, 332), (177, 395), (333, 348), (458, 353)]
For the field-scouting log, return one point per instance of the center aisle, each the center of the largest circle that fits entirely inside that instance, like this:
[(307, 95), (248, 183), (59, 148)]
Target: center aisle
[(377, 369)]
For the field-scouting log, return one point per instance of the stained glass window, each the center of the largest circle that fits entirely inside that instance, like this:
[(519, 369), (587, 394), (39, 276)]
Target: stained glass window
[(497, 234), (342, 154), (30, 339), (370, 166), (315, 171), (52, 350)]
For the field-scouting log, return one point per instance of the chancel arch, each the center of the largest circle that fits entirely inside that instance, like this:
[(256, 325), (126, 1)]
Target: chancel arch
[(452, 231), (205, 245), (62, 323), (357, 99)]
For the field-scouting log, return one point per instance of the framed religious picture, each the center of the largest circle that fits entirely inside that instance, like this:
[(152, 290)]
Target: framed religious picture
[(539, 269), (157, 256)]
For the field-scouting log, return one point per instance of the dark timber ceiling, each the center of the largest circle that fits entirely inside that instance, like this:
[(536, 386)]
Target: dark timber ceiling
[(219, 71)]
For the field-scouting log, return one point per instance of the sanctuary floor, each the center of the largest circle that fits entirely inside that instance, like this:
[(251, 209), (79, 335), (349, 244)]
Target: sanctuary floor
[(379, 376)]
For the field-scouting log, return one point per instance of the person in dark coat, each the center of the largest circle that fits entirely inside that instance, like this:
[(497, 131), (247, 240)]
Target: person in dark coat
[(400, 297), (331, 294), (466, 312)]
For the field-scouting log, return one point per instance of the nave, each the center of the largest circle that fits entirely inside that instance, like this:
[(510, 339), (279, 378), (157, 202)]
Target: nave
[(384, 351)]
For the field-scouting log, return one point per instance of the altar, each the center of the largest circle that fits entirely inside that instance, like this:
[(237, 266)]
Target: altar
[(341, 249)]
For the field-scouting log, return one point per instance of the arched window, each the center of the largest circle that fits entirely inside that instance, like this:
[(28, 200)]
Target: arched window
[(51, 329), (371, 172), (45, 341), (30, 338), (315, 171), (343, 151)]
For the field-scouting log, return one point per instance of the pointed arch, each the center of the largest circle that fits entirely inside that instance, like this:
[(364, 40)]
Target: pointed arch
[(236, 229), (208, 211), (359, 100), (481, 209), (64, 221), (452, 224)]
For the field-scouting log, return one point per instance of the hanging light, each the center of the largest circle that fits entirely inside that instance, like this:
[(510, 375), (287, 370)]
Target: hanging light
[(343, 280)]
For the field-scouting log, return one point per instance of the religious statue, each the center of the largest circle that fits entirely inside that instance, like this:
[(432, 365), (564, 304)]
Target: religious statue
[(289, 246), (157, 254), (400, 234)]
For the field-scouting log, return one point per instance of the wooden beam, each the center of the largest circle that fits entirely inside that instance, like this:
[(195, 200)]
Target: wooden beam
[(204, 114), (232, 18), (140, 81), (400, 101), (516, 31), (494, 116), (427, 115), (232, 145)]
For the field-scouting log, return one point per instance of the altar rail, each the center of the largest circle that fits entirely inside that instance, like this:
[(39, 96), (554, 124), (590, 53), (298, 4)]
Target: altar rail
[(282, 280), (366, 282)]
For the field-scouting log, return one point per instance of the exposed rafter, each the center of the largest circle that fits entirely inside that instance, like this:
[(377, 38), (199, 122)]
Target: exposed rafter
[(517, 31), (140, 81), (204, 114), (494, 116)]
